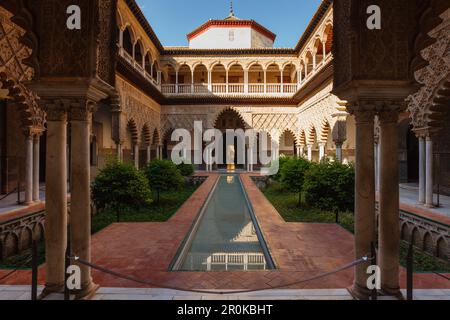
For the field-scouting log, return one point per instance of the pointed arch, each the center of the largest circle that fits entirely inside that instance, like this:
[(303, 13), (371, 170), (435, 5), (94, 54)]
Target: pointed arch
[(312, 135), (428, 243), (309, 60), (133, 130), (156, 137), (146, 135), (328, 38), (302, 138), (128, 40), (405, 234), (325, 131), (229, 110), (442, 248), (416, 239)]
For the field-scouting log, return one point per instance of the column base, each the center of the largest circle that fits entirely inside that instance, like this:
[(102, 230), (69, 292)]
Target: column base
[(87, 293), (50, 289), (431, 206), (392, 292), (359, 293)]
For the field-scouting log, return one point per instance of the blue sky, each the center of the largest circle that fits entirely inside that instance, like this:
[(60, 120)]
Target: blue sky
[(173, 19)]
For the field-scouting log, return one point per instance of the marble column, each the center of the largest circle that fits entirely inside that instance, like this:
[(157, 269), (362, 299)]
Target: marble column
[(80, 208), (246, 81), (321, 151), (149, 154), (28, 169), (429, 173), (389, 220), (338, 151), (119, 151), (159, 152), (422, 185), (364, 197), (302, 151), (310, 152), (56, 199), (36, 165), (136, 155)]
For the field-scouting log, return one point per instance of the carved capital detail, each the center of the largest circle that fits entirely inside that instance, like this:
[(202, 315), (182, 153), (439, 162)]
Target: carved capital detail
[(56, 109), (364, 116), (388, 117), (82, 109)]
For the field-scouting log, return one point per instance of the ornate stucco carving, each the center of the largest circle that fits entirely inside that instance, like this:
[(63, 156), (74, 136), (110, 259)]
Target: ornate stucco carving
[(423, 105)]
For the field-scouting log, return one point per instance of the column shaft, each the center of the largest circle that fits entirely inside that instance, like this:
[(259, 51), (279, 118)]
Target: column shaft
[(309, 152), (429, 173), (29, 170), (56, 204), (389, 220), (422, 152), (119, 151), (36, 169), (149, 154), (364, 198), (136, 155), (321, 152), (339, 152), (80, 217)]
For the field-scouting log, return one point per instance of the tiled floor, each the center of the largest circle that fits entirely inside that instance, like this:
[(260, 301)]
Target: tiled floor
[(409, 195), (23, 293), (300, 251)]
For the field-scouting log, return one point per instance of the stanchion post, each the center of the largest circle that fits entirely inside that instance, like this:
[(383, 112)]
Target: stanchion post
[(373, 253), (34, 269), (410, 272), (66, 266), (18, 191)]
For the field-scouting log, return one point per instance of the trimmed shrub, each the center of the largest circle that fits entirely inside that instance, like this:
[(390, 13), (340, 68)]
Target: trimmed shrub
[(330, 186), (186, 169), (293, 173), (282, 162), (118, 186), (163, 175)]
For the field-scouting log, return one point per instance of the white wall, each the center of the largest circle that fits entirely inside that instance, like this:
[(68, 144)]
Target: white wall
[(220, 38)]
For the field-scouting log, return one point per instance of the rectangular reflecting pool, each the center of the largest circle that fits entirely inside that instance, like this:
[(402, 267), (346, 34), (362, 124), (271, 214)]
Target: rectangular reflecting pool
[(226, 236)]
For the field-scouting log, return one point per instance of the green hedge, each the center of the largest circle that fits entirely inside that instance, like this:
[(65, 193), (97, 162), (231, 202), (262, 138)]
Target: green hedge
[(186, 169), (120, 185), (330, 186), (293, 173), (163, 175)]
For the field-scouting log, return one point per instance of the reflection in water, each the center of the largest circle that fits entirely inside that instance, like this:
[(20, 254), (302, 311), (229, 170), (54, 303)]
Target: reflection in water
[(226, 238)]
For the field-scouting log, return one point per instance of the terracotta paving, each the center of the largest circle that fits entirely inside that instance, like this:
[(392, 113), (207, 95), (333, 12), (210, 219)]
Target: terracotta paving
[(300, 251)]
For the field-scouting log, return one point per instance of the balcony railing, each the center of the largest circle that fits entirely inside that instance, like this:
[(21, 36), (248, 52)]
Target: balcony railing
[(223, 89), (276, 89), (138, 67)]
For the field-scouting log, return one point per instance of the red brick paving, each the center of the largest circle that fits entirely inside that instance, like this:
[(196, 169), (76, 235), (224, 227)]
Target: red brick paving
[(300, 251)]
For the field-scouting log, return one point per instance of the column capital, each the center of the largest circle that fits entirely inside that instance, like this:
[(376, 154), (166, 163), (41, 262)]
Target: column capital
[(33, 132), (364, 116), (56, 109), (388, 116), (82, 109)]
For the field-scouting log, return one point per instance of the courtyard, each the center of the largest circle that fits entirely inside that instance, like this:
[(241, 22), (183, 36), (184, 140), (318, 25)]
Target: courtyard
[(228, 164)]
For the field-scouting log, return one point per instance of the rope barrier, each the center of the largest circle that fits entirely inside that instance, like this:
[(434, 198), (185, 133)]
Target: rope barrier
[(441, 275), (145, 282), (8, 194)]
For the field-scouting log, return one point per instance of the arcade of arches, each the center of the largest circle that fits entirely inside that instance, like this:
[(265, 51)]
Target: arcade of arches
[(393, 121)]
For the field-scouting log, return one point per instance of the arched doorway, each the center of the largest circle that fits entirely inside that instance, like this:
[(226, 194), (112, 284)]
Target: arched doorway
[(230, 119)]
